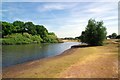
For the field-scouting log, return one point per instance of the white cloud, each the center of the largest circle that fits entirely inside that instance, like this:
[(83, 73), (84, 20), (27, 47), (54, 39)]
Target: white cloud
[(52, 7), (56, 6)]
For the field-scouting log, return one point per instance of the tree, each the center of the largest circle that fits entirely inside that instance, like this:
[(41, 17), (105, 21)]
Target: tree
[(94, 33), (19, 26), (30, 28), (118, 37), (7, 28), (114, 35), (82, 37), (110, 36), (41, 30)]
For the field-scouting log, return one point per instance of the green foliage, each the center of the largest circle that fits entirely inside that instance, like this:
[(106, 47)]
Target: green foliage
[(82, 37), (94, 33), (7, 28), (21, 39), (50, 38), (36, 39), (19, 32), (27, 35), (30, 28), (41, 30), (114, 36), (118, 37), (19, 26), (16, 39)]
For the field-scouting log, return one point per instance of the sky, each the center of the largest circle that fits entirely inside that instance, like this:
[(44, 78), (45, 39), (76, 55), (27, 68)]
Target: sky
[(65, 19)]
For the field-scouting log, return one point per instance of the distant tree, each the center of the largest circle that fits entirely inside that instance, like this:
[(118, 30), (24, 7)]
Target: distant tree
[(77, 37), (94, 33), (118, 37), (7, 28), (41, 30), (19, 26), (114, 35), (30, 28), (110, 36)]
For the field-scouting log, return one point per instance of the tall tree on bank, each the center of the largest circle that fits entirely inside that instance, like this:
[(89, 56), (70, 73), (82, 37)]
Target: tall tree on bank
[(94, 34)]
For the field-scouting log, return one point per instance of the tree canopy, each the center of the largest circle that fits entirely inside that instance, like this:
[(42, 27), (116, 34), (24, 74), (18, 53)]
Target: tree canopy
[(94, 33), (113, 36), (38, 31)]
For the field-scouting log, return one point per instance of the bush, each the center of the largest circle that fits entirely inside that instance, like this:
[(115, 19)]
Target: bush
[(16, 39), (21, 39), (50, 38), (36, 39)]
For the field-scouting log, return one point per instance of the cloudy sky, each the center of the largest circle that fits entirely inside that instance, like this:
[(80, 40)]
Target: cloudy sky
[(66, 19)]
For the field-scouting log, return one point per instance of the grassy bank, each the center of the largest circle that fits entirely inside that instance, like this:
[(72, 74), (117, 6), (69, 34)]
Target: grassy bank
[(57, 66), (26, 38)]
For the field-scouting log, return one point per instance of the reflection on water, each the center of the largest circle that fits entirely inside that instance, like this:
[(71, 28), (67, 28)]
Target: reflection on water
[(14, 54)]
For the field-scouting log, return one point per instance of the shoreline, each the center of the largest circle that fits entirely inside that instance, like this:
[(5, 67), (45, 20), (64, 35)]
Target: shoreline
[(59, 52), (61, 66), (46, 58), (30, 64)]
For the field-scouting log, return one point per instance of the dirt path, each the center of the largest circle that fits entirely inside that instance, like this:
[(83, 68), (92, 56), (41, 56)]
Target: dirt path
[(104, 64)]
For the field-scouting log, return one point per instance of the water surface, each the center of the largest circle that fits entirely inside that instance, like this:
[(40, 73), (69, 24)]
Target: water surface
[(15, 54)]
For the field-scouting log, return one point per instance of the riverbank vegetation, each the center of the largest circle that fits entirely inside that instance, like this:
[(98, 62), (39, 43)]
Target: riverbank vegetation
[(20, 32), (94, 34)]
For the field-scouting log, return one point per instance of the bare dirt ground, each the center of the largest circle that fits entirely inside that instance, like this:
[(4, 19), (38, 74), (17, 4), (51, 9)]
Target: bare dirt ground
[(104, 64), (88, 62)]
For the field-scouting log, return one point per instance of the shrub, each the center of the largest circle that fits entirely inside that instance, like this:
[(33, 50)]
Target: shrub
[(16, 39), (36, 39)]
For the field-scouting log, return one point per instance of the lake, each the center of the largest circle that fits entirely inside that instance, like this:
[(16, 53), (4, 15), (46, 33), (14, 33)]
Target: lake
[(16, 54)]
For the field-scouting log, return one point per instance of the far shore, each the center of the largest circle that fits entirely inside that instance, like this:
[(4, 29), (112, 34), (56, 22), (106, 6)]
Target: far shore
[(99, 62), (70, 40)]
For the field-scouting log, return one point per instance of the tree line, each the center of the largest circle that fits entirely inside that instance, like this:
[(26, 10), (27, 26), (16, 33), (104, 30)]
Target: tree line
[(114, 36), (27, 28)]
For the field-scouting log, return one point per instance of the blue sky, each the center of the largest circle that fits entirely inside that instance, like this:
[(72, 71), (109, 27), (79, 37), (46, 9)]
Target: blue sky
[(66, 19)]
